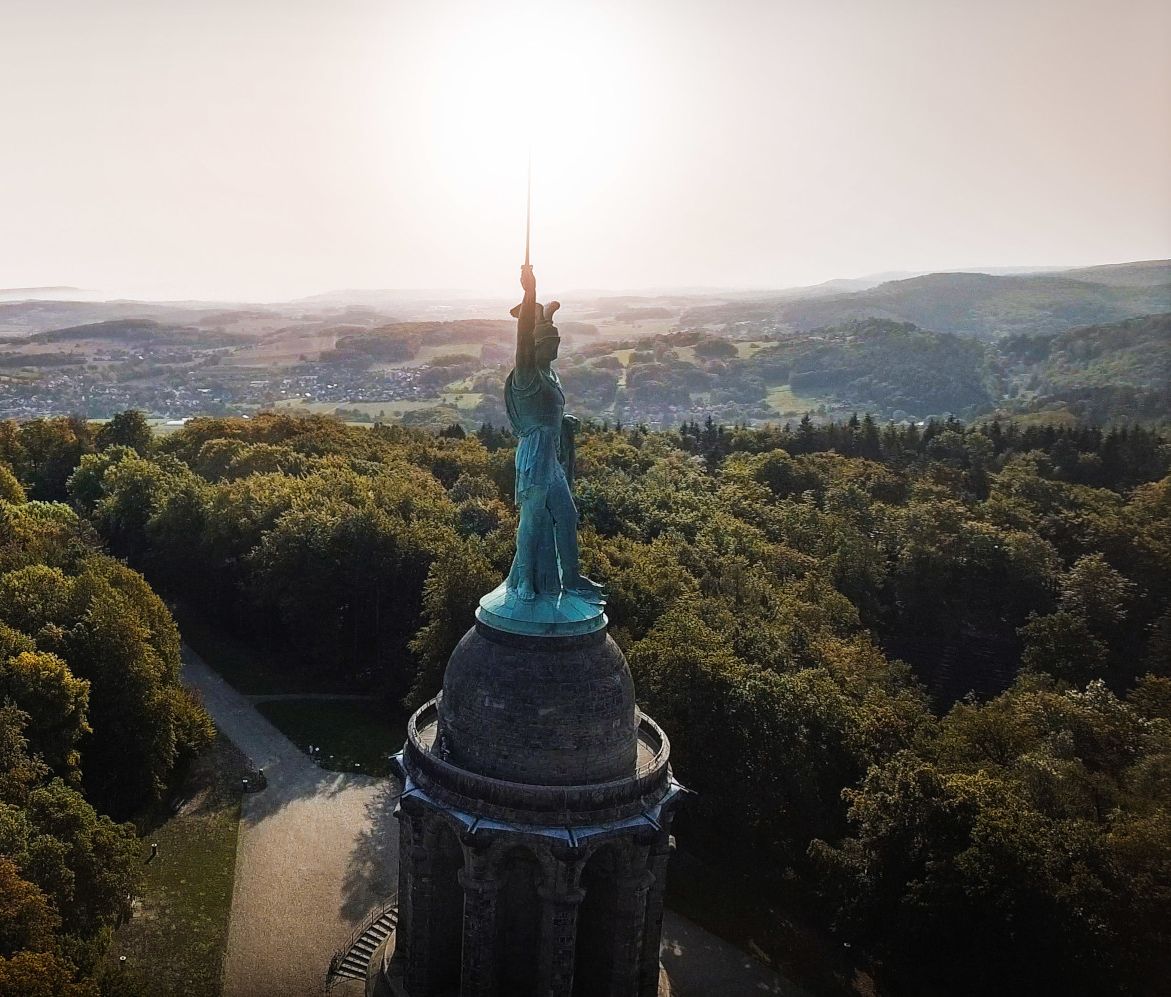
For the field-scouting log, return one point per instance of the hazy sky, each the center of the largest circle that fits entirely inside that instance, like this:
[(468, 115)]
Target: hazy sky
[(265, 150)]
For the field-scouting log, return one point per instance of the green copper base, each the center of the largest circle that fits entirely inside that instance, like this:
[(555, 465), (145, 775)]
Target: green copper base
[(566, 615)]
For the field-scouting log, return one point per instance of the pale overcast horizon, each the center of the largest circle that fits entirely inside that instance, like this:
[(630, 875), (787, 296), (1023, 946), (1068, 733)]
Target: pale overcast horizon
[(241, 150)]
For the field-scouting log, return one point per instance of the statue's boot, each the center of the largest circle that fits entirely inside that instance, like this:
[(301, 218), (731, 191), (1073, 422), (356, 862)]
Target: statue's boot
[(589, 590)]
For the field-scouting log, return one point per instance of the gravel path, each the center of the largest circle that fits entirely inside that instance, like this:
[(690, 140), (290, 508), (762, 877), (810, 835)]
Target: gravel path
[(702, 965), (329, 697), (318, 849)]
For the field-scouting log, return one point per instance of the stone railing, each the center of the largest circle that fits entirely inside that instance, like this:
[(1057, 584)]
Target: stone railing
[(512, 800)]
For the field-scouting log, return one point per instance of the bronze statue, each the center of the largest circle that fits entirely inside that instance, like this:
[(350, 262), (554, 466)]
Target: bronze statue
[(546, 561)]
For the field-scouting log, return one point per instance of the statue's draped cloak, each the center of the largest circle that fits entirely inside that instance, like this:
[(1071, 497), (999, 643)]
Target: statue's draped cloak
[(535, 403)]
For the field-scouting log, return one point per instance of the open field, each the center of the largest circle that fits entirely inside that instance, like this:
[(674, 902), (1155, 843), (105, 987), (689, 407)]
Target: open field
[(283, 350), (462, 399), (783, 400), (747, 349), (160, 427), (615, 329), (1047, 417), (175, 942), (346, 731)]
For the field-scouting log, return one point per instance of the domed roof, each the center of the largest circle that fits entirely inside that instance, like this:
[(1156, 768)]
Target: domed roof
[(551, 711)]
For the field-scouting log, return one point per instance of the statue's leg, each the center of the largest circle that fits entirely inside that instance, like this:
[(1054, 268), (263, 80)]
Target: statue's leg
[(546, 576), (564, 513), (521, 578)]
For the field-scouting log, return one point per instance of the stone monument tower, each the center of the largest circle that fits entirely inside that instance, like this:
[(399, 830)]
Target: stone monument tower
[(537, 802)]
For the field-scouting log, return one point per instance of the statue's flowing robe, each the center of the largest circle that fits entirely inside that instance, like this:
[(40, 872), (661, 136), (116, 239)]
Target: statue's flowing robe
[(544, 454), (536, 404)]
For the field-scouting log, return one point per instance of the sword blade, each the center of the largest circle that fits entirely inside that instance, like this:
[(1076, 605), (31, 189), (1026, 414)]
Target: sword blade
[(529, 207)]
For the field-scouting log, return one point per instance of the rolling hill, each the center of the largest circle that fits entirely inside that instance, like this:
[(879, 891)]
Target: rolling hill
[(986, 306)]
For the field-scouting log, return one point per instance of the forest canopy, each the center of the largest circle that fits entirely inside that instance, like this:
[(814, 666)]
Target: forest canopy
[(922, 671), (93, 725)]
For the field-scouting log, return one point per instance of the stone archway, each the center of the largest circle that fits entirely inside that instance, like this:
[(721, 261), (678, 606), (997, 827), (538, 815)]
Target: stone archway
[(518, 923), (447, 898), (597, 920)]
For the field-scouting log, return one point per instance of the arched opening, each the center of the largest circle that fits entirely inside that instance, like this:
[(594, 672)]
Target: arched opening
[(594, 951), (518, 924), (447, 898)]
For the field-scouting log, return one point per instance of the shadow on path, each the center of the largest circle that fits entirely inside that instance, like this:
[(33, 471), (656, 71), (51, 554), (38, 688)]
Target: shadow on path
[(372, 873)]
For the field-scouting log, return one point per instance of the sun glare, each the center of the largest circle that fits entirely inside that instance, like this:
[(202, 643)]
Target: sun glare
[(554, 79)]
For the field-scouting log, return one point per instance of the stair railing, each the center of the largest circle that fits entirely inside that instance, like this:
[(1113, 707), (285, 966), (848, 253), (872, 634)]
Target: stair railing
[(367, 923)]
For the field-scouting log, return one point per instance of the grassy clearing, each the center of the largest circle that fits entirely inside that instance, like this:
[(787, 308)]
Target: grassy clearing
[(160, 427), (782, 399), (1050, 417), (246, 669), (347, 731), (461, 399), (611, 328), (174, 943), (747, 349)]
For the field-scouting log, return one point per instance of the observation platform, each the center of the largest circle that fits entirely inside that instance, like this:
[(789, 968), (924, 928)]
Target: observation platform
[(573, 813)]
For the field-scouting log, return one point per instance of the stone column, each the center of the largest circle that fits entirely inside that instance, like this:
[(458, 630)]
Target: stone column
[(406, 844), (629, 925), (478, 960), (420, 889), (558, 941), (648, 985)]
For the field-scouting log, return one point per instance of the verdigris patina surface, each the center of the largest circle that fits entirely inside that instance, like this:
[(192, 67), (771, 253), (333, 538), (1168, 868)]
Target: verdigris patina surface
[(545, 591)]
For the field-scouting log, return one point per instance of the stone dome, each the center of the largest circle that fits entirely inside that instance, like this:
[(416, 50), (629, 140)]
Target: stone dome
[(548, 711)]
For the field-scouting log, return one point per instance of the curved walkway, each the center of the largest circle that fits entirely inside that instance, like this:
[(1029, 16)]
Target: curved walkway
[(318, 849)]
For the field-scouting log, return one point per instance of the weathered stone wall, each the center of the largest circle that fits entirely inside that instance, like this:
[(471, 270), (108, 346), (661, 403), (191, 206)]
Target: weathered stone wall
[(546, 711)]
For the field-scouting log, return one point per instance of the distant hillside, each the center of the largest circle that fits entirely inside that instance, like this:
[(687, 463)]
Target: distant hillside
[(884, 367), (139, 331), (22, 293), (1099, 373), (1148, 273), (24, 318), (971, 304), (1136, 352), (399, 341)]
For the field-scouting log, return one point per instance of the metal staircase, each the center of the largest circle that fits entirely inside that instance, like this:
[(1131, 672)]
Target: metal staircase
[(352, 960)]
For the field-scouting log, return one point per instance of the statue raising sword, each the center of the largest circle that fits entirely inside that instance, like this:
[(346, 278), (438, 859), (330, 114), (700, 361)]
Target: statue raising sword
[(546, 561)]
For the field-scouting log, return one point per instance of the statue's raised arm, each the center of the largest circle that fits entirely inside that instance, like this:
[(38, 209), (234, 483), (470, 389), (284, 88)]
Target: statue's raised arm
[(526, 318)]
